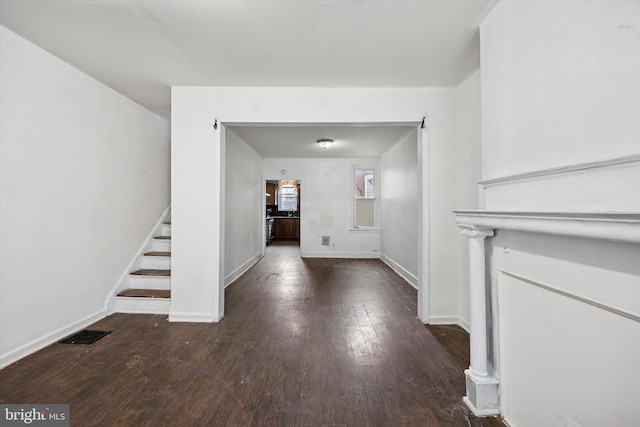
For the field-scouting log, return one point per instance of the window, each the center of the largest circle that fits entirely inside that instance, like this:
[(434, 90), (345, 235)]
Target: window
[(365, 207), (288, 196)]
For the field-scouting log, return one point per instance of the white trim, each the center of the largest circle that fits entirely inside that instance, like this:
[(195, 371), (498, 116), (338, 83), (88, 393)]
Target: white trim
[(218, 241), (121, 283), (134, 305), (464, 324), (50, 338), (497, 285), (611, 309), (424, 223), (409, 277), (376, 197), (622, 227), (453, 319), (339, 254), (231, 277), (478, 412), (619, 162), (193, 317), (275, 121), (605, 226), (219, 219), (261, 219)]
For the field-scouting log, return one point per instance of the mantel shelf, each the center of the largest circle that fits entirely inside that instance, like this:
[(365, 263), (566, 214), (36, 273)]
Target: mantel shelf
[(623, 227)]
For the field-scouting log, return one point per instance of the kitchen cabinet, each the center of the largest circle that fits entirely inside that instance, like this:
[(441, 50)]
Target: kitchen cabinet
[(286, 228), (271, 191)]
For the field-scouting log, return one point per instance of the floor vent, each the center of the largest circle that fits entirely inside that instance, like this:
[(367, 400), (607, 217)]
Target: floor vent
[(86, 337)]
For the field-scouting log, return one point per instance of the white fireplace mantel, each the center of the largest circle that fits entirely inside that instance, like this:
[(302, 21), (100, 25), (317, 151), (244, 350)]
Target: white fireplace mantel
[(622, 227), (483, 386)]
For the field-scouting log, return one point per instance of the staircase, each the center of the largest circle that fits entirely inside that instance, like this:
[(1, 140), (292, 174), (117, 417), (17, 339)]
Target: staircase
[(148, 285)]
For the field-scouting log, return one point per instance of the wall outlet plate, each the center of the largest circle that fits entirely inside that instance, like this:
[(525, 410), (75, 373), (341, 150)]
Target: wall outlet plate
[(326, 240)]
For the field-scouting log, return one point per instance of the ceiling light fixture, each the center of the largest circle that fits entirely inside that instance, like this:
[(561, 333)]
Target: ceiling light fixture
[(325, 143)]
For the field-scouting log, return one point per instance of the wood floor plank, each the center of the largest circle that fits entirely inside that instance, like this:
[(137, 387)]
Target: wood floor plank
[(158, 253), (315, 342), (151, 272), (146, 293)]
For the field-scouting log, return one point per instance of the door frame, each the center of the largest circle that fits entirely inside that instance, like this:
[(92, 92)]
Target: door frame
[(423, 253)]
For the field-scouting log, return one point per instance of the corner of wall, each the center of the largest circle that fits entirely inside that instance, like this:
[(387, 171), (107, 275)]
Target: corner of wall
[(52, 337)]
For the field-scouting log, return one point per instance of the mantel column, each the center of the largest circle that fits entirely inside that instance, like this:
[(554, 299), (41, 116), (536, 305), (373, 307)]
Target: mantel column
[(482, 388)]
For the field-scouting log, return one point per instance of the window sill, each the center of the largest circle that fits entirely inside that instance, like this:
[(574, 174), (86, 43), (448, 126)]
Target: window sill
[(371, 230)]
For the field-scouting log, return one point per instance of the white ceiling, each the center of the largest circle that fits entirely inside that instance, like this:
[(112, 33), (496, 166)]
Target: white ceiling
[(141, 48), (300, 141)]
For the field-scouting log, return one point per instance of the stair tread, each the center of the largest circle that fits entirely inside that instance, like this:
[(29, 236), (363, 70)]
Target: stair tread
[(163, 237), (151, 272), (146, 293), (167, 222), (157, 253)]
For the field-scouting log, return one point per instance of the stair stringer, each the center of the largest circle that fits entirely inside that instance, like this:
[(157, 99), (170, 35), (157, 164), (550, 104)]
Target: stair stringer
[(123, 281)]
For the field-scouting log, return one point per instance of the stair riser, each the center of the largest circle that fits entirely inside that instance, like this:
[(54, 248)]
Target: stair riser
[(166, 230), (142, 305), (153, 262), (161, 246), (149, 282)]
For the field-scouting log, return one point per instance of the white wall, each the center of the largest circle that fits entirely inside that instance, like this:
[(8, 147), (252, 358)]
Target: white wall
[(84, 178), (568, 92), (326, 206), (468, 173), (399, 202), (560, 97), (197, 149), (244, 194), (454, 171), (444, 268)]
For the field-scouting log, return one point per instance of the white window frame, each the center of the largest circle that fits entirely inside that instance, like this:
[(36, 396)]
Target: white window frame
[(281, 194), (376, 197)]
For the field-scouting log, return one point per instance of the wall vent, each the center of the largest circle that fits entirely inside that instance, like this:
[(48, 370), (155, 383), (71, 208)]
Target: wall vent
[(326, 240)]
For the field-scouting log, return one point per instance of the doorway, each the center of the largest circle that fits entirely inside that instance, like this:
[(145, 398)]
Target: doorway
[(328, 224), (283, 218), (331, 210)]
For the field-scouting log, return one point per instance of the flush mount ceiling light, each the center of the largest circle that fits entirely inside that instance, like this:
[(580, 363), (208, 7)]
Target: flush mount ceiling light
[(325, 143)]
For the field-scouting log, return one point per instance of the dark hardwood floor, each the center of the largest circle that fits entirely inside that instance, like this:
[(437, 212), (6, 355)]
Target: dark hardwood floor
[(312, 342)]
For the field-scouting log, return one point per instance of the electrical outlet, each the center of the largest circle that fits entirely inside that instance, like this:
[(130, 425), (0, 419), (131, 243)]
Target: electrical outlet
[(326, 240)]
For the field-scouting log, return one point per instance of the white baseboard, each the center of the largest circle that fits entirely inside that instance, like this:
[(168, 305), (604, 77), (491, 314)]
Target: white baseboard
[(402, 272), (193, 317), (339, 254), (449, 320), (229, 279), (464, 324), (48, 339)]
